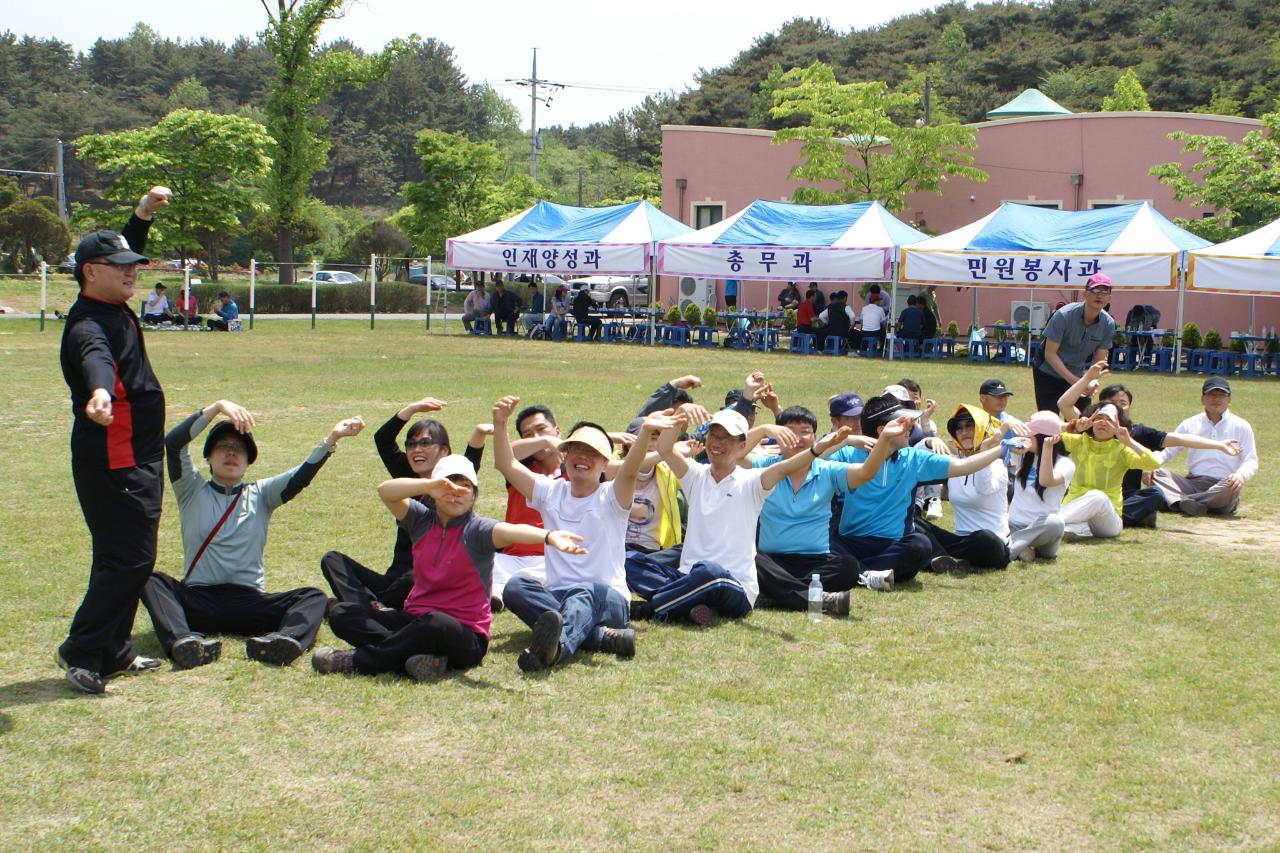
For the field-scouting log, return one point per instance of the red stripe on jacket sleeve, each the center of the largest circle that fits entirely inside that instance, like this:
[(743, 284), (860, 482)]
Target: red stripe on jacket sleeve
[(120, 430)]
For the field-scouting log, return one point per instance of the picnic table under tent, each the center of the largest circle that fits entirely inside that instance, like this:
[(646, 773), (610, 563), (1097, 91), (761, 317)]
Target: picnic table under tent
[(568, 241), (1022, 246), (778, 241)]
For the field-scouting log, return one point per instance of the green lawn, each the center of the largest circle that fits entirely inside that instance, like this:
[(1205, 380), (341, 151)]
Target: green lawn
[(1123, 696)]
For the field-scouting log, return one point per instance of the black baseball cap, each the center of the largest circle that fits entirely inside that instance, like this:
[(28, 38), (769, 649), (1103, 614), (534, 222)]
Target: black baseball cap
[(1215, 383), (995, 388), (105, 244), (846, 405), (732, 398), (882, 410), (223, 428)]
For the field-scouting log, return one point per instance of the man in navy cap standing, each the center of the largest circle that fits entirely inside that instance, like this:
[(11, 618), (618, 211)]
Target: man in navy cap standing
[(117, 446)]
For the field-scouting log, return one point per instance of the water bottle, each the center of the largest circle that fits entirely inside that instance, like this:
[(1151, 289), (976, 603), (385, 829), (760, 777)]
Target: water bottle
[(815, 599)]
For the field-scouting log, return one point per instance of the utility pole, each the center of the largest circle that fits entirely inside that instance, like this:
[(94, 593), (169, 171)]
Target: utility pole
[(59, 180), (533, 83)]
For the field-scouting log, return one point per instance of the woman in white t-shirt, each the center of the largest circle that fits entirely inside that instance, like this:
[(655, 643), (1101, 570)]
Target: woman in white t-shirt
[(1035, 522)]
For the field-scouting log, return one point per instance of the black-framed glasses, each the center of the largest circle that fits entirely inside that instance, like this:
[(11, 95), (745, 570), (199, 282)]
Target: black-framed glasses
[(418, 442)]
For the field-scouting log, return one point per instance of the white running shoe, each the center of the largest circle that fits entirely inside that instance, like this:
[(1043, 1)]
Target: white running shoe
[(933, 508), (881, 581)]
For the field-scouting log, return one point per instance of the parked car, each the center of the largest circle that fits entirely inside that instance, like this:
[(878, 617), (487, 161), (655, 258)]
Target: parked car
[(614, 291), (175, 264), (418, 275), (332, 277), (69, 265)]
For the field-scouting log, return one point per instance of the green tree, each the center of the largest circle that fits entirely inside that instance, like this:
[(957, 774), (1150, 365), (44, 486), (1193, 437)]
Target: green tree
[(852, 138), (1239, 180), (211, 163), (383, 239), (29, 233), (1128, 96), (304, 76)]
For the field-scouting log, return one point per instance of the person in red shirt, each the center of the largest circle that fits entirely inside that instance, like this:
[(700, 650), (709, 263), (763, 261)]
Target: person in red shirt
[(806, 315), (538, 450)]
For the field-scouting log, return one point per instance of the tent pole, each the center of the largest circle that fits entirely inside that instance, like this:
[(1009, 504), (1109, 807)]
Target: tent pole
[(1177, 332), (893, 306), (767, 284), (653, 291), (974, 320), (1251, 313)]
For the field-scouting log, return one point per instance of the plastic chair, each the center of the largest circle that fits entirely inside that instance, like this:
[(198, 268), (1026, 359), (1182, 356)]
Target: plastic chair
[(759, 336), (802, 342), (870, 348), (613, 332), (979, 351), (834, 345), (481, 326), (1197, 360), (931, 348), (675, 336), (706, 336)]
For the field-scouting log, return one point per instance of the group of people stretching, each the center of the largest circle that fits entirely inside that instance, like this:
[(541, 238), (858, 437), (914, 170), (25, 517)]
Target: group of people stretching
[(688, 514)]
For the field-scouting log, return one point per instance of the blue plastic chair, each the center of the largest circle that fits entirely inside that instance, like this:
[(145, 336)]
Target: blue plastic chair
[(802, 342), (834, 345), (979, 351), (481, 326)]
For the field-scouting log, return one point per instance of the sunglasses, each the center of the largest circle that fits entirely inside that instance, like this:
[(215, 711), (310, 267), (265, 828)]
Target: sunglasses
[(418, 442)]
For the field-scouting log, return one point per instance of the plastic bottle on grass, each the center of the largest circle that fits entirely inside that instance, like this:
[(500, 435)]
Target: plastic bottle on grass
[(815, 599)]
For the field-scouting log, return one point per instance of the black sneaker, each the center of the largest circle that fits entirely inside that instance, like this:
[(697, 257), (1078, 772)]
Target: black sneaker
[(496, 605), (426, 667), (640, 610), (191, 652), (619, 641), (948, 563), (544, 650), (274, 648), (83, 680), (1195, 509), (138, 665), (836, 603)]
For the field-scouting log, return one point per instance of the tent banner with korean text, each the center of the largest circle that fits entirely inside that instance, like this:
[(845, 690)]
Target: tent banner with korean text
[(1248, 265), (567, 241), (779, 241), (1028, 247)]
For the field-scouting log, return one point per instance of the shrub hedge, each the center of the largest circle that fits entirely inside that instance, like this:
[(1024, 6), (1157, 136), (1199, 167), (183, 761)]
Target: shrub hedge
[(393, 297)]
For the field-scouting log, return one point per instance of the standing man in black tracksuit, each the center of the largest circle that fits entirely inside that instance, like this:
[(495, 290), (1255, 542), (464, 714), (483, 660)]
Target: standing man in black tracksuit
[(117, 449)]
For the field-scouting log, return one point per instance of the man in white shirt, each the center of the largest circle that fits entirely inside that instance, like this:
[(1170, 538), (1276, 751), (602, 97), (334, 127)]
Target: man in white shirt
[(158, 308), (1214, 480), (871, 321), (717, 571), (584, 602)]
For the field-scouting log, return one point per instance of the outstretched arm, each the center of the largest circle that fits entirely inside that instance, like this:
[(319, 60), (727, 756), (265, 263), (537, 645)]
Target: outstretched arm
[(285, 487), (990, 452), (892, 439), (772, 475), (505, 534), (1080, 388), (397, 493), (503, 459)]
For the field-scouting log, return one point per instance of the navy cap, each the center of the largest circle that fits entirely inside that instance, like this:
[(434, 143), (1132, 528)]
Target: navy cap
[(846, 405), (995, 388), (1215, 383), (105, 244), (222, 428)]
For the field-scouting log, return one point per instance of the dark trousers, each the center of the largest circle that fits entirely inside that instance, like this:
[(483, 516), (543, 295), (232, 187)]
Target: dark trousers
[(157, 318), (591, 328), (1140, 508), (217, 324), (785, 578), (504, 324), (672, 594), (385, 639), (178, 610), (819, 334), (1050, 388), (982, 548), (905, 556), (355, 583), (587, 609), (122, 511)]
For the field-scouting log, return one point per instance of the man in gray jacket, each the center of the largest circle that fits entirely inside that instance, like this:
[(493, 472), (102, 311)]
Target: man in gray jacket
[(224, 532)]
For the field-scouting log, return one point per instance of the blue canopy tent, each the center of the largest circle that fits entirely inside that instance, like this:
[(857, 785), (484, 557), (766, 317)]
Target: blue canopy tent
[(1018, 245), (778, 241)]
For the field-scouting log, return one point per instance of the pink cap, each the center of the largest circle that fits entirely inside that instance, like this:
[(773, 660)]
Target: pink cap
[(1044, 423), (1098, 279)]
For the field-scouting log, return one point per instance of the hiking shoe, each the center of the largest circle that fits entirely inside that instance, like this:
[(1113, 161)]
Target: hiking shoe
[(881, 581), (933, 508), (619, 641), (426, 667), (1195, 509), (274, 648), (327, 661), (948, 563), (191, 652), (1027, 555), (640, 610), (835, 603), (496, 605), (544, 650), (702, 615), (139, 665), (83, 680)]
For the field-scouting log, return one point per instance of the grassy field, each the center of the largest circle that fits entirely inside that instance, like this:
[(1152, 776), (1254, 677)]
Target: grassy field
[(1124, 696)]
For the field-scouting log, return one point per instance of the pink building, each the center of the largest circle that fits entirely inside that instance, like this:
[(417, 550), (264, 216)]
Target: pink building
[(1068, 162)]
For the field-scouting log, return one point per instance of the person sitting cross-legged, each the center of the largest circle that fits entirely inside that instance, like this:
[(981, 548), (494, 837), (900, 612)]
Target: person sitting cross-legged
[(446, 619), (796, 519), (717, 570), (584, 602), (224, 532)]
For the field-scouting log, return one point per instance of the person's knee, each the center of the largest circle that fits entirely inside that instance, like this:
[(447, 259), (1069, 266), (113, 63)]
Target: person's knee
[(516, 592), (704, 571)]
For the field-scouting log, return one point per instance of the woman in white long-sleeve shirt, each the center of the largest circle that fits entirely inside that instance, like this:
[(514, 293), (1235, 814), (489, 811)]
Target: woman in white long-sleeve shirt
[(1035, 520), (978, 501)]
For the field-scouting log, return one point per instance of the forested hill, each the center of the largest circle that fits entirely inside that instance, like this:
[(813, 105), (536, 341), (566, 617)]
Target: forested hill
[(1187, 53)]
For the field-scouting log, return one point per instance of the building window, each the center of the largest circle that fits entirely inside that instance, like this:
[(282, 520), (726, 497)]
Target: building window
[(707, 213), (1101, 205), (1047, 205)]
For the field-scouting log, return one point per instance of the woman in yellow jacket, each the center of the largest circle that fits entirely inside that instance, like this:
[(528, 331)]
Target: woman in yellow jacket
[(1102, 450)]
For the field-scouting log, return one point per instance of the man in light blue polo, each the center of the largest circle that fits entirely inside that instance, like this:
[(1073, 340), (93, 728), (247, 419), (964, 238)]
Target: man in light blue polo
[(876, 522), (795, 523)]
